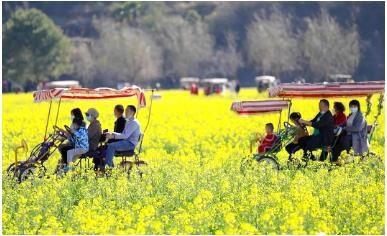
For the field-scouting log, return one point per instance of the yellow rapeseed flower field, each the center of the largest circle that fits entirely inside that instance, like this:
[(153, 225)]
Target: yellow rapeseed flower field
[(193, 183)]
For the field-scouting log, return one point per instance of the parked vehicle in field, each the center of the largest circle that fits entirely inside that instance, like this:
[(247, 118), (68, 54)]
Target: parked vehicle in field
[(214, 85), (265, 82), (340, 78), (63, 84), (186, 82)]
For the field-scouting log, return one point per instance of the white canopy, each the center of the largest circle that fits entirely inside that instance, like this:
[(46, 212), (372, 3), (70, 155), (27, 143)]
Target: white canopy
[(268, 78), (215, 80), (189, 80)]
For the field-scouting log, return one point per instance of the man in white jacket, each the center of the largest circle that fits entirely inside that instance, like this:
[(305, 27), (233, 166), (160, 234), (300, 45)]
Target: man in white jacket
[(128, 138)]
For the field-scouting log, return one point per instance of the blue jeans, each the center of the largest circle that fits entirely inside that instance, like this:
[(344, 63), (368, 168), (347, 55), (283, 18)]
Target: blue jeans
[(123, 145)]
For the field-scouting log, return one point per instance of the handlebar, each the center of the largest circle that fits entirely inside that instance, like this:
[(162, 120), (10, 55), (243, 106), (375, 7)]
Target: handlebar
[(68, 129), (59, 131), (287, 125)]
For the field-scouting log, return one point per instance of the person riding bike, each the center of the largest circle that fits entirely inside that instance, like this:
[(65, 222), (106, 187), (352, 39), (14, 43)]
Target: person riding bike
[(301, 131), (323, 135), (128, 139)]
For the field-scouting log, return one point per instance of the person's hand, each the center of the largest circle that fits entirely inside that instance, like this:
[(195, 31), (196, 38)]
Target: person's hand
[(259, 136), (109, 136), (67, 134)]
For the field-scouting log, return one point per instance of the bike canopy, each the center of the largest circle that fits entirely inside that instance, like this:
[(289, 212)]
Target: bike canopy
[(87, 93), (259, 107), (325, 90)]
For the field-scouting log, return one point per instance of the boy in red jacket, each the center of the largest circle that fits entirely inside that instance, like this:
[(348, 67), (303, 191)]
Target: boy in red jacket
[(267, 142)]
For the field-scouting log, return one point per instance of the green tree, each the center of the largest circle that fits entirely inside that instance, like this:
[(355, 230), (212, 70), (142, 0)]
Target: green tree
[(127, 11), (34, 47)]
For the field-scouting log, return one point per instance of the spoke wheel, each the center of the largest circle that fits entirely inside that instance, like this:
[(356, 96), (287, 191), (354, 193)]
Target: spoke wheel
[(296, 163), (13, 170), (31, 172), (268, 162)]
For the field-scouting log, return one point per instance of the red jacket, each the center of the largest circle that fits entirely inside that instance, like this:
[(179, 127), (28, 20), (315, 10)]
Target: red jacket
[(340, 119), (267, 143)]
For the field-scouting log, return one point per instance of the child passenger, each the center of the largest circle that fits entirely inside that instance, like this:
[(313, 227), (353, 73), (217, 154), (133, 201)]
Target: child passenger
[(301, 131), (266, 143)]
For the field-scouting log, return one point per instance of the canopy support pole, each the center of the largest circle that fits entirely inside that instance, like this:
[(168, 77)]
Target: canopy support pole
[(380, 107), (48, 119), (138, 110), (289, 109), (369, 105), (279, 121), (150, 111), (57, 113)]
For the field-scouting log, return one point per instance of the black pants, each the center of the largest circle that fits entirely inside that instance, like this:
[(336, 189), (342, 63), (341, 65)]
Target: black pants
[(292, 148), (311, 143), (63, 151), (342, 144)]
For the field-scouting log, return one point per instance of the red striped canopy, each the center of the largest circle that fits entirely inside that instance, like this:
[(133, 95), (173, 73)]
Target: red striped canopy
[(87, 93), (257, 107), (356, 89)]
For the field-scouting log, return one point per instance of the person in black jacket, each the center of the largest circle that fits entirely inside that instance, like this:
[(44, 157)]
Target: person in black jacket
[(119, 124), (323, 135)]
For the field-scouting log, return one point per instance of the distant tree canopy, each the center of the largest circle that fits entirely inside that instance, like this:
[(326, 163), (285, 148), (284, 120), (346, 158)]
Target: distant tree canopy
[(34, 47)]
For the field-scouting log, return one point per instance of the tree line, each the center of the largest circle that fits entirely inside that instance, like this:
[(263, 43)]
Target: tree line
[(142, 43)]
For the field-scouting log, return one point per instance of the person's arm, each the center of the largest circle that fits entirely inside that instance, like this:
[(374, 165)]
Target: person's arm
[(325, 120), (315, 118), (357, 124), (308, 123), (130, 127)]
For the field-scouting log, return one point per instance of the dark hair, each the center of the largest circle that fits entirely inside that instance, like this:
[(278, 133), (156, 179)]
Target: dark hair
[(295, 116), (119, 108), (355, 103), (78, 121), (326, 102), (77, 113), (270, 125), (339, 106), (132, 108)]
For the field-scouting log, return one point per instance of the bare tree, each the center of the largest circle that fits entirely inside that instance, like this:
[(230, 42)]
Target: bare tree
[(83, 63), (126, 54), (225, 61), (271, 45), (185, 45), (328, 48)]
